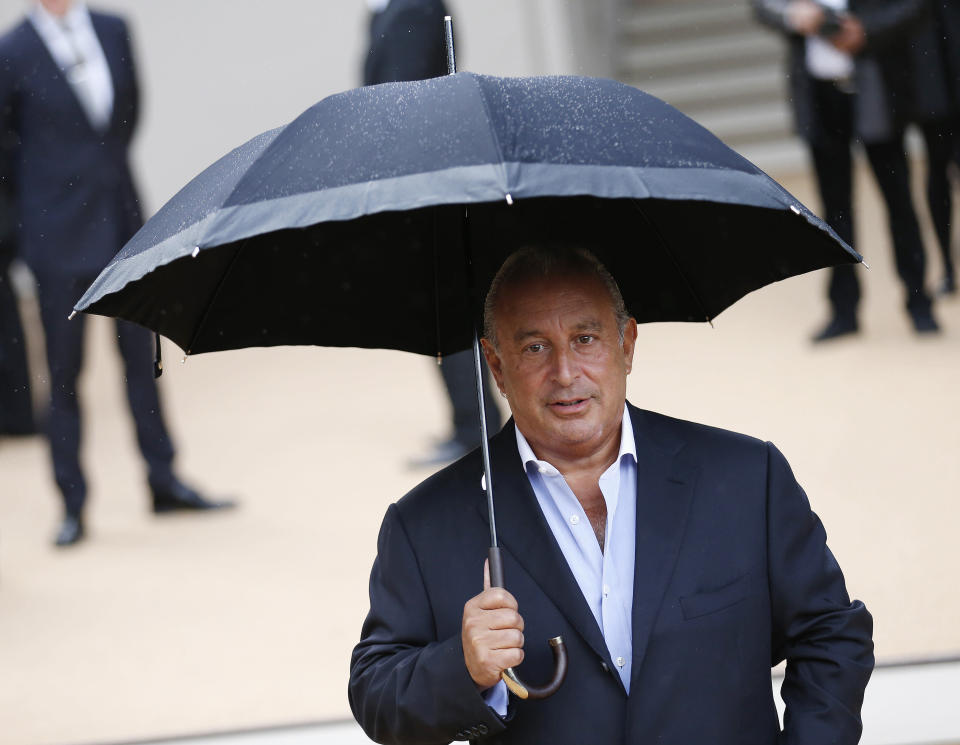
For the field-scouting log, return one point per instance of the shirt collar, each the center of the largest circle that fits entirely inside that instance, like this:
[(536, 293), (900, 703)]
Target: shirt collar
[(628, 445)]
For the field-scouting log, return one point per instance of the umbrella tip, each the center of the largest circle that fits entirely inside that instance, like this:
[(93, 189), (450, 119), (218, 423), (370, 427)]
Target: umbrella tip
[(72, 314), (794, 209), (509, 198), (864, 262), (196, 250)]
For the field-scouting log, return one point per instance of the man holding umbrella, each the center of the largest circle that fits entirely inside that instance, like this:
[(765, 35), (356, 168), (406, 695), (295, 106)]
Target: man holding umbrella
[(679, 561), (703, 566)]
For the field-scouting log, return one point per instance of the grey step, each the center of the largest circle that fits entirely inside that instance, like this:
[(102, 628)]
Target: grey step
[(683, 20), (786, 155), (713, 62), (750, 48), (691, 93), (748, 124)]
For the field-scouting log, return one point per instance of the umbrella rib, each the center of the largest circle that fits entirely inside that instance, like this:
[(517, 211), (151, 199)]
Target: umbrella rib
[(213, 297), (673, 259), (493, 134)]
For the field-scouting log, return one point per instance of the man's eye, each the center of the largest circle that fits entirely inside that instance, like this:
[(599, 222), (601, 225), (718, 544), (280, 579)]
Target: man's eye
[(535, 348), (585, 338)]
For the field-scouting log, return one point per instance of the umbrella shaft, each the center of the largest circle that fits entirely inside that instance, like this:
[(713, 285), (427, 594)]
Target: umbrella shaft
[(484, 444), (448, 34)]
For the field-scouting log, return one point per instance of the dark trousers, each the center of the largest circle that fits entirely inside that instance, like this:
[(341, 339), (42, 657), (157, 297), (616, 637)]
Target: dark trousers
[(941, 137), (16, 409), (833, 164), (460, 381), (64, 343)]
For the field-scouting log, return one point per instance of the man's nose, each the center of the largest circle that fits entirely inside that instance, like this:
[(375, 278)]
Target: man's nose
[(565, 368)]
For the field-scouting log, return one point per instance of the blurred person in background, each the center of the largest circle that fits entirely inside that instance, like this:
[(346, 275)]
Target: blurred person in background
[(935, 52), (69, 103), (849, 78), (407, 43)]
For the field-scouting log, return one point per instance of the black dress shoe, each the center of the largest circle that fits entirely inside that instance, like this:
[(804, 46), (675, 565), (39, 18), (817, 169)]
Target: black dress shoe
[(838, 326), (179, 496), (924, 322), (948, 286), (70, 532)]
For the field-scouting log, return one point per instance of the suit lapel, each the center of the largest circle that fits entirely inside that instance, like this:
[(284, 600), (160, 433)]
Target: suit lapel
[(665, 487), (45, 59), (524, 533)]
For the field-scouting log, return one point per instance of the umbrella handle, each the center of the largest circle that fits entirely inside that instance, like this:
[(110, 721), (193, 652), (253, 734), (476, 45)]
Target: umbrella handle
[(517, 687)]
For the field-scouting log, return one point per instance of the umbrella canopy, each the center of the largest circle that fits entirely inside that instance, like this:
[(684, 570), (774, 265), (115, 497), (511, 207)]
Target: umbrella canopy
[(347, 226)]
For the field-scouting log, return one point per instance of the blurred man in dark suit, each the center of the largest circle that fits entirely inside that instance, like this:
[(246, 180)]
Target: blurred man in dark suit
[(69, 99), (407, 43), (848, 71)]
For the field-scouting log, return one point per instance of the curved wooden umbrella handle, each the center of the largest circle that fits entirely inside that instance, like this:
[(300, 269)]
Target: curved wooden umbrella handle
[(521, 690), (517, 687)]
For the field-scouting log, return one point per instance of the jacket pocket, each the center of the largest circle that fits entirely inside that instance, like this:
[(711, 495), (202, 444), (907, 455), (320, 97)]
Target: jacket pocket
[(704, 603)]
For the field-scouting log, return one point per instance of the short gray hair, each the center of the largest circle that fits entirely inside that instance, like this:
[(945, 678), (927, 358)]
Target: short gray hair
[(542, 261)]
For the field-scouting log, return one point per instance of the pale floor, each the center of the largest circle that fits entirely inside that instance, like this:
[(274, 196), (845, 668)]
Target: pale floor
[(909, 705), (160, 627)]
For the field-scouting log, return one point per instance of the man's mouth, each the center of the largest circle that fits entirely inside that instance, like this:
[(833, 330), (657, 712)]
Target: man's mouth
[(569, 404)]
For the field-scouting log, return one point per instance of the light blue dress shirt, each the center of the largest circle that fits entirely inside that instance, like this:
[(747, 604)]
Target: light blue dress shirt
[(605, 577)]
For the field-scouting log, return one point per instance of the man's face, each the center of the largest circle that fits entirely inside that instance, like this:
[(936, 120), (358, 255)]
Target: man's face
[(561, 364)]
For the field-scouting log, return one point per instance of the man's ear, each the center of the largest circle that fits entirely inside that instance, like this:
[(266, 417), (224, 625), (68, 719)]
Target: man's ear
[(629, 342), (493, 362)]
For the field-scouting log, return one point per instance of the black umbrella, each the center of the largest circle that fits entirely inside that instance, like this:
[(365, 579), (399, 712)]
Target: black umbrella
[(378, 217), (344, 228)]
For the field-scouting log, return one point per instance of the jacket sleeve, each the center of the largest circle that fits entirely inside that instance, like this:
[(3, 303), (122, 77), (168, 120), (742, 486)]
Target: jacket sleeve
[(406, 686), (131, 116), (8, 134), (825, 638), (9, 141), (772, 13)]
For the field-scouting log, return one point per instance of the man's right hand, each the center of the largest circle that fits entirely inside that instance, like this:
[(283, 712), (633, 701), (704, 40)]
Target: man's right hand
[(805, 17), (492, 633)]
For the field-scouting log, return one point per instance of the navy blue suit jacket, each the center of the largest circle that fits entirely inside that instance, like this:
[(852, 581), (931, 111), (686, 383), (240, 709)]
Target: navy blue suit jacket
[(732, 576), (76, 203)]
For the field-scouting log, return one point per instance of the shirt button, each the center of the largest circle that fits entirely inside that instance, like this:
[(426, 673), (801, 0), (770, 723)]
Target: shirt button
[(606, 590), (574, 519), (619, 661)]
